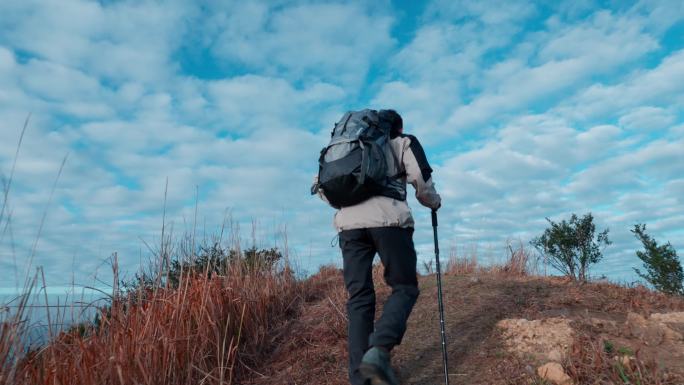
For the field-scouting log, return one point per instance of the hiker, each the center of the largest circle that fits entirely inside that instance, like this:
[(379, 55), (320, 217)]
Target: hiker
[(380, 223)]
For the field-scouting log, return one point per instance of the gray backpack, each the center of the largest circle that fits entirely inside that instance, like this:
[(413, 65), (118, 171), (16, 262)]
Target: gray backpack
[(353, 167)]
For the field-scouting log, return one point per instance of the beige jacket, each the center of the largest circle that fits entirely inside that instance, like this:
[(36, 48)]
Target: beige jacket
[(380, 211)]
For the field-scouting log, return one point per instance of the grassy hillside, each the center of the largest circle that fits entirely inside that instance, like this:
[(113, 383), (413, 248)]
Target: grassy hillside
[(604, 344), (246, 324)]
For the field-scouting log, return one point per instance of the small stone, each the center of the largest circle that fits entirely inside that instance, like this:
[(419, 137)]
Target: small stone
[(609, 326), (553, 372), (624, 360)]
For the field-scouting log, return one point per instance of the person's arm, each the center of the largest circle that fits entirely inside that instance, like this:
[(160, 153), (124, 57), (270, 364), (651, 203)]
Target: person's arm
[(419, 174), (315, 189)]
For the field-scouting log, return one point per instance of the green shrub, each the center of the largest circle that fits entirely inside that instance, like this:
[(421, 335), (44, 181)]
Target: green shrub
[(207, 261), (608, 347), (663, 268), (572, 246)]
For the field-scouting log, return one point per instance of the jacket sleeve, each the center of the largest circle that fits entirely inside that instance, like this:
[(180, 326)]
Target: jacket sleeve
[(419, 174), (316, 190)]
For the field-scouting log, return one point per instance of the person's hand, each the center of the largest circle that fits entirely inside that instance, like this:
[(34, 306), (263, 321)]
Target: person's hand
[(439, 204)]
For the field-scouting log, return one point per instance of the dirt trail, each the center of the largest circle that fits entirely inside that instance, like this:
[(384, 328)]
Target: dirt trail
[(473, 306)]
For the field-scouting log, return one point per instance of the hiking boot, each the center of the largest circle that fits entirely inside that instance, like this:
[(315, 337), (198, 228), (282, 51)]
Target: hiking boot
[(375, 366)]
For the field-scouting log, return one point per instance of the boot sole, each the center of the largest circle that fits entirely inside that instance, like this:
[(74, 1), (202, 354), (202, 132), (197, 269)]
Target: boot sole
[(374, 374)]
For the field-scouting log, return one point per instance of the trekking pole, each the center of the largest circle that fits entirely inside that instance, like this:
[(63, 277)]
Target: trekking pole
[(439, 299)]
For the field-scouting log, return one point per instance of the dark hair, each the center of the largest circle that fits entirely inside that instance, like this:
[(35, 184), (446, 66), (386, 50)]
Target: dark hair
[(395, 120)]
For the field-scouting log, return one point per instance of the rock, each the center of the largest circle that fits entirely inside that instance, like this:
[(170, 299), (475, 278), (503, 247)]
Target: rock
[(676, 317), (668, 322), (654, 330), (605, 325), (624, 360), (650, 333), (553, 372), (672, 323), (547, 339), (671, 335)]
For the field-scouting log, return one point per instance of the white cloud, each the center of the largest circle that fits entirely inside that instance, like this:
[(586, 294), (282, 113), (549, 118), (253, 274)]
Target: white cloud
[(490, 12), (567, 57), (604, 40), (334, 41), (7, 60), (521, 123), (660, 85), (420, 112), (246, 106), (449, 60), (660, 14), (116, 41), (647, 119), (658, 160)]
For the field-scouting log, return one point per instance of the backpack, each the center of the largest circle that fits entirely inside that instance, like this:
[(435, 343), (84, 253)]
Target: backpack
[(353, 166)]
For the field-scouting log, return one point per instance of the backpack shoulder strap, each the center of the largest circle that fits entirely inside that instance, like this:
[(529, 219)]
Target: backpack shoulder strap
[(397, 162)]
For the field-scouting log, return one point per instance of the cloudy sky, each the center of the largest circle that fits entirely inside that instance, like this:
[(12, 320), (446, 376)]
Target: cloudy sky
[(526, 111)]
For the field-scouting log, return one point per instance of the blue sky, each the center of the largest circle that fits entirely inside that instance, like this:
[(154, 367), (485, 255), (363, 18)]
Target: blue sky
[(526, 109)]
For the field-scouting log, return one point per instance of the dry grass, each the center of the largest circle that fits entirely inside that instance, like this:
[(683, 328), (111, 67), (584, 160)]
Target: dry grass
[(611, 298), (206, 331), (518, 262), (312, 348), (311, 345), (13, 332), (590, 363), (245, 326), (262, 326), (461, 265)]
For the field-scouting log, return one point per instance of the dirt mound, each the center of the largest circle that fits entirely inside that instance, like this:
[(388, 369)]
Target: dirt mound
[(626, 349), (546, 339)]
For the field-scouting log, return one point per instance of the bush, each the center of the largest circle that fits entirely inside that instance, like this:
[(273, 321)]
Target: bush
[(209, 261), (572, 246), (663, 268)]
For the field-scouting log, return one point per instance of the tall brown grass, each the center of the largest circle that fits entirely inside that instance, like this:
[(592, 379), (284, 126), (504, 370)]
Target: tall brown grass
[(14, 329), (207, 330)]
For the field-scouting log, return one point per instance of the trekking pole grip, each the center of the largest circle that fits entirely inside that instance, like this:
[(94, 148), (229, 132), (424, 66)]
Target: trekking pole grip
[(434, 218)]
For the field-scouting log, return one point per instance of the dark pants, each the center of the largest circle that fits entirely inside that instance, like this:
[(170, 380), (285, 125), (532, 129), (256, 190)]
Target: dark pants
[(397, 253)]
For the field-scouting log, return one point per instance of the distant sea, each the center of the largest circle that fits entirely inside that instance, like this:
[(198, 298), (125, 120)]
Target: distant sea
[(61, 310)]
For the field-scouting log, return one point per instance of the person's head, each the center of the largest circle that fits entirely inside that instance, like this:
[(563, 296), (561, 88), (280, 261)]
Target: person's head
[(395, 120)]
